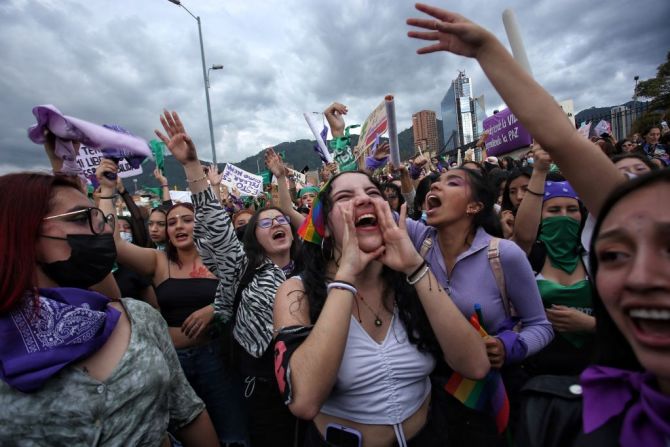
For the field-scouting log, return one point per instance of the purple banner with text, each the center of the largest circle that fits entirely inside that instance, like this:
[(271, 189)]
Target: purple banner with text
[(505, 133)]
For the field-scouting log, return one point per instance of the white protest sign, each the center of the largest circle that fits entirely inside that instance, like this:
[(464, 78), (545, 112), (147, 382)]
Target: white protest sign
[(568, 107), (247, 183), (89, 159), (180, 196), (297, 176)]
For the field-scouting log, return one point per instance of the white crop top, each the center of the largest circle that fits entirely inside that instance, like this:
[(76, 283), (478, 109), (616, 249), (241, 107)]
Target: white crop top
[(380, 383)]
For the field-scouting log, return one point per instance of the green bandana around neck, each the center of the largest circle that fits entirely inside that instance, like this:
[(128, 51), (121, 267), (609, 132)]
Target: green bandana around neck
[(560, 235)]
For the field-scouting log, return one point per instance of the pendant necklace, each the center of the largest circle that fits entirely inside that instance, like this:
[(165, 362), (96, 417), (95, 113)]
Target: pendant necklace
[(378, 321)]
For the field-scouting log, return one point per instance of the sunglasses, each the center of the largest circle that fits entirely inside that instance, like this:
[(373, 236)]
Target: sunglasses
[(267, 222)]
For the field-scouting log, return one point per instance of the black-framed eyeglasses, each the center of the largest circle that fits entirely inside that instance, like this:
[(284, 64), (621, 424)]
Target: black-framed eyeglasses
[(267, 222), (95, 217)]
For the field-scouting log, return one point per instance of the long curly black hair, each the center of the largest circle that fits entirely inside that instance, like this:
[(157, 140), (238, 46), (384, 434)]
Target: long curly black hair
[(314, 278)]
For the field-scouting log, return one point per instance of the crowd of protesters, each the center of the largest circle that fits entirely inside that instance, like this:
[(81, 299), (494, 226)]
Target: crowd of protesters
[(517, 301)]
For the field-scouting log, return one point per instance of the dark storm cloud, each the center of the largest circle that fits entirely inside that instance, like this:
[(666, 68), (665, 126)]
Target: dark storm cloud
[(122, 62)]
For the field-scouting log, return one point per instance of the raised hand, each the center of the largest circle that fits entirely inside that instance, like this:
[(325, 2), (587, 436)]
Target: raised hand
[(274, 163), (213, 175), (158, 175), (399, 252), (107, 185), (541, 159), (383, 150), (334, 115), (453, 33), (353, 260), (178, 142)]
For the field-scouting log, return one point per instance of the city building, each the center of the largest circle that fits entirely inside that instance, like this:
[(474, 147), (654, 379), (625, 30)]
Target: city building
[(424, 127), (621, 120), (461, 113)]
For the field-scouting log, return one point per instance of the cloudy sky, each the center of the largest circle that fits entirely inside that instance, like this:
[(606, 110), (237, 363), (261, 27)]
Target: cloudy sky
[(123, 61)]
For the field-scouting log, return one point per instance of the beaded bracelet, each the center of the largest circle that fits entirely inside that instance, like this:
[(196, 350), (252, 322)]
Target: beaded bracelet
[(342, 285)]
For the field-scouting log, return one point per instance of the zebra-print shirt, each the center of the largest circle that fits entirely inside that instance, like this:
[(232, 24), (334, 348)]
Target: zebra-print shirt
[(224, 256)]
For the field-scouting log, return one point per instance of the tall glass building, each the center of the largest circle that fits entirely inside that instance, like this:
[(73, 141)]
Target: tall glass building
[(460, 121)]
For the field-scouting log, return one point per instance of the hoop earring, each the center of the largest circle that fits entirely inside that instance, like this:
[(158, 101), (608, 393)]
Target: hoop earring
[(327, 248)]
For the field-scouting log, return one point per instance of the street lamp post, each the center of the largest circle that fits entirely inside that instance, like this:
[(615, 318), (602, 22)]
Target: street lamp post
[(204, 76)]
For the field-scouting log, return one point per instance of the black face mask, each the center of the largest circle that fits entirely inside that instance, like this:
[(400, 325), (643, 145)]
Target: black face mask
[(92, 259), (240, 232)]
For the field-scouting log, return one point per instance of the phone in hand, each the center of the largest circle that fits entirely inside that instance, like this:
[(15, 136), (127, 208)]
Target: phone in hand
[(112, 175), (341, 436)]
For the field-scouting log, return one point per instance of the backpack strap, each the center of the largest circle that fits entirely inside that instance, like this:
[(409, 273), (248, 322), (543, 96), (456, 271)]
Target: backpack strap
[(496, 266), (425, 246)]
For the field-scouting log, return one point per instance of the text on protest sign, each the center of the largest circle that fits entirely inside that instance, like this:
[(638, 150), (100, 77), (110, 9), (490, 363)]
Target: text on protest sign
[(375, 124), (247, 183), (505, 133), (89, 159)]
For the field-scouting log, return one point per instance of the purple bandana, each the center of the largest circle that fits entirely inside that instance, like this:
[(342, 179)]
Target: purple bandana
[(610, 391), (558, 189), (372, 163), (110, 141), (41, 338)]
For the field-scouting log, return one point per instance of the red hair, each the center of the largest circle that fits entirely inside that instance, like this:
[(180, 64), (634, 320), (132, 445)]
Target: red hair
[(24, 202)]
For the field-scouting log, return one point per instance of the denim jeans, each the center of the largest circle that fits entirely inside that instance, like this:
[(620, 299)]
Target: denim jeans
[(219, 387)]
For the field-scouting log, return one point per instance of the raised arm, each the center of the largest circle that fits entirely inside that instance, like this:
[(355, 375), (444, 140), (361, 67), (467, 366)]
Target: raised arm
[(276, 166), (529, 215), (164, 185), (140, 236), (213, 234), (214, 177), (141, 260), (335, 116), (580, 160)]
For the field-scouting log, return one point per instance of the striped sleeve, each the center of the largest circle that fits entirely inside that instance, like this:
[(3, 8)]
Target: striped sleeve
[(220, 250)]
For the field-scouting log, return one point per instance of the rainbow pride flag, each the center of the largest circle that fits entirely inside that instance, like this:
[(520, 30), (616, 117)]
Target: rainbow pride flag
[(486, 395), (313, 227)]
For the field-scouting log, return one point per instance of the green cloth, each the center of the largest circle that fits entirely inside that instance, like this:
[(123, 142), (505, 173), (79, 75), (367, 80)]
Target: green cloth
[(560, 235), (577, 296), (307, 189), (342, 152), (267, 177), (155, 191), (158, 149)]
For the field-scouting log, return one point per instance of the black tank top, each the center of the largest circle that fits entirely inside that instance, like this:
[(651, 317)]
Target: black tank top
[(180, 297)]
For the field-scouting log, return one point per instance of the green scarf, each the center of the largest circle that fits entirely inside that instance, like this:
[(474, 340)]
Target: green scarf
[(577, 296), (560, 235)]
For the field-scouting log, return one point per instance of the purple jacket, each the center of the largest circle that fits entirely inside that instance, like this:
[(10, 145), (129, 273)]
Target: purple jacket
[(472, 281)]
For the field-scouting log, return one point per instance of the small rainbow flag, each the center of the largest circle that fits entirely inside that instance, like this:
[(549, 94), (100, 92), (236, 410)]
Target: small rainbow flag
[(313, 227), (486, 395)]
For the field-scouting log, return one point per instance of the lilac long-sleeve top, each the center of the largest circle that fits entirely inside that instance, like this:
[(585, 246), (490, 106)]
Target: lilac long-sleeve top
[(472, 281)]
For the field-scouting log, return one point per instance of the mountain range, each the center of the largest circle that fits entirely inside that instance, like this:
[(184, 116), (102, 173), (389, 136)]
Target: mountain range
[(300, 153)]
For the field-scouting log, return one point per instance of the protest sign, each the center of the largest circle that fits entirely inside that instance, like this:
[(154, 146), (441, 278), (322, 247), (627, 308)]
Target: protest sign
[(247, 183), (88, 160), (375, 125), (180, 196), (568, 107), (584, 130), (297, 176), (603, 127), (505, 133)]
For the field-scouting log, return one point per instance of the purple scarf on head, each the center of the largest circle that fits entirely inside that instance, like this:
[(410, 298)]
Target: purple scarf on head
[(609, 392), (41, 338)]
